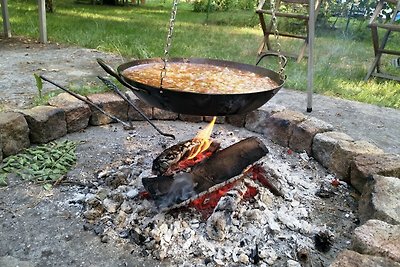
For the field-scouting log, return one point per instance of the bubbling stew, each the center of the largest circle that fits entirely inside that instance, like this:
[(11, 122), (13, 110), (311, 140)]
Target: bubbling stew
[(200, 78)]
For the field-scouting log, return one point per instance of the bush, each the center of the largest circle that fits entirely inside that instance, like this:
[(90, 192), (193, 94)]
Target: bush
[(223, 5)]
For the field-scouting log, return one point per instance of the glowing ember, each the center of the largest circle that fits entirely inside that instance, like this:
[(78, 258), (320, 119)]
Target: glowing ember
[(203, 137), (208, 201)]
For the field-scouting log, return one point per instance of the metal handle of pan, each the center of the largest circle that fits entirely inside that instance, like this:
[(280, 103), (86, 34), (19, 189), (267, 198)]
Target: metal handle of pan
[(282, 62), (115, 74)]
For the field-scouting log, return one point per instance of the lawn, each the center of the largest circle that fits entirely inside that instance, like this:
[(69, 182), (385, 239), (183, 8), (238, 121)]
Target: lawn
[(341, 59)]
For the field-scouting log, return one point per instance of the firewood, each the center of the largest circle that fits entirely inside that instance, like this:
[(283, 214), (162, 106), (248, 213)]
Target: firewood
[(228, 163), (219, 168)]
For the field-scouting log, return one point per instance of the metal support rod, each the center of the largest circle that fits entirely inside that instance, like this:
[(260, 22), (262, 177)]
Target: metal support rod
[(42, 21), (310, 63), (6, 19), (87, 101), (126, 97)]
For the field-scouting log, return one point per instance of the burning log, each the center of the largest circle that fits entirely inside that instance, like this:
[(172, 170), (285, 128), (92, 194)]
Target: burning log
[(167, 163), (228, 163), (176, 158), (220, 167)]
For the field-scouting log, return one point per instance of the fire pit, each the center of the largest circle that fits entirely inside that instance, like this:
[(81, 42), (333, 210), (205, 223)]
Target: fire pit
[(308, 217)]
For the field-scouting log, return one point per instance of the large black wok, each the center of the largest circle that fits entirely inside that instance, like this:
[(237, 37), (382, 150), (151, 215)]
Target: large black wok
[(198, 103)]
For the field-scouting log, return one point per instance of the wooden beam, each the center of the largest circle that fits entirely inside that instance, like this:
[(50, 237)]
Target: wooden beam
[(42, 21), (6, 19)]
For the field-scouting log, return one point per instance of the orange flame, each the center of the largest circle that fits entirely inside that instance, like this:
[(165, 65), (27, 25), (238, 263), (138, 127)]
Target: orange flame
[(203, 137)]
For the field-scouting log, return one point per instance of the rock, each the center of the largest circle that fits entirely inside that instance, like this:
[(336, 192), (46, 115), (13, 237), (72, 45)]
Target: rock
[(14, 133), (160, 114), (236, 120), (190, 118), (45, 123), (110, 103), (146, 109), (336, 150), (132, 193), (324, 144), (257, 120), (92, 214), (77, 112), (348, 258), (364, 166), (243, 258), (292, 263), (381, 200), (116, 180), (125, 207), (9, 261), (110, 205), (281, 125), (216, 226), (304, 132), (377, 238)]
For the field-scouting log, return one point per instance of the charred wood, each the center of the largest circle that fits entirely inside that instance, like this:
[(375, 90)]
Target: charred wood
[(228, 163), (220, 167)]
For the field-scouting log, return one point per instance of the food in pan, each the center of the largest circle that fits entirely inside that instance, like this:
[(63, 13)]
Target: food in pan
[(200, 78)]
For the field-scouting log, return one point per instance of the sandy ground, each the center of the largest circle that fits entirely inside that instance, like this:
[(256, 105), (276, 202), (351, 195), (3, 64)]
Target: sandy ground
[(40, 228)]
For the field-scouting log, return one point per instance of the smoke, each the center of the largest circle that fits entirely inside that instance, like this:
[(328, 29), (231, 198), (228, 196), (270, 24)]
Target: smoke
[(181, 189)]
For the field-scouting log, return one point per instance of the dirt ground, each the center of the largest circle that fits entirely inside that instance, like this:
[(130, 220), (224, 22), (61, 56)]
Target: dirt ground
[(41, 228)]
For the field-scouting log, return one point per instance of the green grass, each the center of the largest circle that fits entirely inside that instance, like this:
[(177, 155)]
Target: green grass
[(341, 59)]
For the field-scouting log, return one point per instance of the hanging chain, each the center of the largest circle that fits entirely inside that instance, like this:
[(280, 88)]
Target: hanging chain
[(281, 71), (168, 41)]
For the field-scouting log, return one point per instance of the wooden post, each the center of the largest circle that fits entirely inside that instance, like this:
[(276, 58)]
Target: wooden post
[(42, 21), (310, 63), (6, 19)]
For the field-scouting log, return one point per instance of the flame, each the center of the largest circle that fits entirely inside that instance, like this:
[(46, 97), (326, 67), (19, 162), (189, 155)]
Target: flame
[(203, 137)]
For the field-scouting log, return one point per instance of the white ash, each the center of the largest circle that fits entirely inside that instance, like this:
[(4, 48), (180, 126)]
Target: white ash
[(278, 226)]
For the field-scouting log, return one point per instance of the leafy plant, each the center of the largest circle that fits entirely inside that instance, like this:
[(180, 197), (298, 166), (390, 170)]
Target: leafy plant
[(39, 85), (40, 164)]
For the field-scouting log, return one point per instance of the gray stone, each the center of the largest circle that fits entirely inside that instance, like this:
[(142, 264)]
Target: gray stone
[(110, 103), (160, 114), (324, 144), (14, 133), (381, 200), (257, 120), (236, 120), (349, 258), (45, 123), (282, 124), (146, 109), (77, 112), (9, 261), (364, 166), (190, 118), (336, 150), (377, 238), (304, 132)]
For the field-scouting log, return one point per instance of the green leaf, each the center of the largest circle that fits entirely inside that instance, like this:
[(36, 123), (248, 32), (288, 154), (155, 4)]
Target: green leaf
[(39, 84), (42, 163), (47, 187), (3, 179)]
